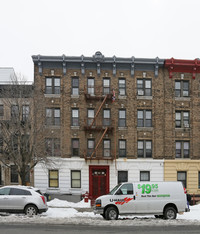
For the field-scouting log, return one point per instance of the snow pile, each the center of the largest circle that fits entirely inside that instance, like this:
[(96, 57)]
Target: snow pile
[(60, 203), (194, 213)]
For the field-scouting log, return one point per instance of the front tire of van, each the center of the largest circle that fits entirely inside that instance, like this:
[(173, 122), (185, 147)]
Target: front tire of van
[(170, 213), (111, 213)]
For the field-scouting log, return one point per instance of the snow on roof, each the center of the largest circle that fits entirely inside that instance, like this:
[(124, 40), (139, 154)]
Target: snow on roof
[(6, 75)]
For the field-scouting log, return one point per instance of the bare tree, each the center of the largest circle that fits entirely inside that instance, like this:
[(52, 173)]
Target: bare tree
[(22, 140)]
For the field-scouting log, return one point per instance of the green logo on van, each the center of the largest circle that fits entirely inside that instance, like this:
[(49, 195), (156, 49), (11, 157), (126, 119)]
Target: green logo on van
[(148, 188)]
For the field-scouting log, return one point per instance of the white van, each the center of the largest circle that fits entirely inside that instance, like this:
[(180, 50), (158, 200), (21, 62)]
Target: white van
[(162, 199)]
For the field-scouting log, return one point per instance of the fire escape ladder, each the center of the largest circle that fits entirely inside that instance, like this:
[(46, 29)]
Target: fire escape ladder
[(99, 142), (98, 111)]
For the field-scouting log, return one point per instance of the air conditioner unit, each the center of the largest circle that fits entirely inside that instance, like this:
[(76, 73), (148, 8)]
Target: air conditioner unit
[(186, 125), (141, 92)]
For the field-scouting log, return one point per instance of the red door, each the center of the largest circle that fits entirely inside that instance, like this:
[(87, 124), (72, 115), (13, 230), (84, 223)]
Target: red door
[(98, 181)]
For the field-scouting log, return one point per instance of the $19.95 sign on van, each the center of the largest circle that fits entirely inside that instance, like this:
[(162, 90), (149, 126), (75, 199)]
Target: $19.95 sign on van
[(148, 188)]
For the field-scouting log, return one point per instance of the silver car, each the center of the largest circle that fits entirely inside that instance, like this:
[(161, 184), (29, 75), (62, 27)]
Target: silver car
[(22, 199)]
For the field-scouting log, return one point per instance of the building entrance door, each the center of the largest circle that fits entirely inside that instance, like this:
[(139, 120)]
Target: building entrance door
[(98, 181)]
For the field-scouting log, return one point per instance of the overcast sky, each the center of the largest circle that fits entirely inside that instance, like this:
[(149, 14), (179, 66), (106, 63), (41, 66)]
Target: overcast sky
[(125, 28)]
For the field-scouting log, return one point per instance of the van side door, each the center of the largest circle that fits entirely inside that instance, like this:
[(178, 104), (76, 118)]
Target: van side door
[(124, 199), (146, 197)]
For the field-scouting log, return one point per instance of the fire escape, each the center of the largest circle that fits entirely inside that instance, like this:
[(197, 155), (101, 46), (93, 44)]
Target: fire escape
[(97, 126)]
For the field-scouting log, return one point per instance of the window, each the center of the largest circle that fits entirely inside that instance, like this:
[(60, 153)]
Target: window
[(181, 88), (14, 112), (90, 116), (144, 149), (122, 176), (145, 176), (106, 86), (106, 117), (122, 118), (1, 110), (144, 87), (25, 112), (53, 179), (75, 147), (122, 148), (75, 86), (1, 144), (106, 148), (144, 118), (20, 192), (75, 179), (182, 176), (90, 86), (25, 143), (5, 191), (53, 116), (14, 142), (75, 117), (53, 146), (182, 119), (52, 85), (182, 149), (91, 144), (14, 174), (125, 189), (122, 87)]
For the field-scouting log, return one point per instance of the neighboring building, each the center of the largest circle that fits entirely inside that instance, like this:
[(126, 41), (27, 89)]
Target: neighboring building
[(15, 99), (112, 119), (7, 74), (182, 122)]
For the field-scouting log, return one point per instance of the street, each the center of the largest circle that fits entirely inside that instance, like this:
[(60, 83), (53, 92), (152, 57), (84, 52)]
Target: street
[(76, 229)]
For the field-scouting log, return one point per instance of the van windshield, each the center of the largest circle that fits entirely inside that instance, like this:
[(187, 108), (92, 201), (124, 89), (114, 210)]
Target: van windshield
[(115, 189)]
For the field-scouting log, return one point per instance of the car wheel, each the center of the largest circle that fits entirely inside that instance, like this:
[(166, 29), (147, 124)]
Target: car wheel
[(31, 210), (170, 213), (111, 213), (103, 215)]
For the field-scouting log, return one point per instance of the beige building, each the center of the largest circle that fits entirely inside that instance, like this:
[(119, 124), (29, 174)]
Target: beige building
[(187, 171)]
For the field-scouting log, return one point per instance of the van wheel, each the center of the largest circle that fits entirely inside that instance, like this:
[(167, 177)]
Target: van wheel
[(111, 213), (170, 213), (30, 210)]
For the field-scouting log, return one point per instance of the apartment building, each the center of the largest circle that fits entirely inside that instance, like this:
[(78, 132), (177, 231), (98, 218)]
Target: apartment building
[(15, 102), (110, 119), (182, 122)]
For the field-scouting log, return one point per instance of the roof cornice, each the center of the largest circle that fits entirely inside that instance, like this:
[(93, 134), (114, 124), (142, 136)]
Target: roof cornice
[(180, 65), (99, 60)]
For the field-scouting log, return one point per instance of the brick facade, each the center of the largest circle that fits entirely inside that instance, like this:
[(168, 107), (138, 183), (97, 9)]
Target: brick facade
[(162, 104)]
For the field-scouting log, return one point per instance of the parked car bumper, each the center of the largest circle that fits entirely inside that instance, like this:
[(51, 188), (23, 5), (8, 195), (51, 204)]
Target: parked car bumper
[(42, 210)]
